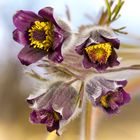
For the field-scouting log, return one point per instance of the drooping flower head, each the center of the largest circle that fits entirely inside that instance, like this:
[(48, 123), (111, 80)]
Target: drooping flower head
[(107, 94), (98, 49), (54, 107), (40, 34)]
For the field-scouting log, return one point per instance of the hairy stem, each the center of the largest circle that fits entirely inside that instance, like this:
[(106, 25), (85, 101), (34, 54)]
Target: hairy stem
[(132, 67), (83, 121), (93, 123), (88, 122)]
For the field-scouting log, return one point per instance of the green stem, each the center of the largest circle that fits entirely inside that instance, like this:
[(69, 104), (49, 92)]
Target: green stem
[(108, 10), (117, 10)]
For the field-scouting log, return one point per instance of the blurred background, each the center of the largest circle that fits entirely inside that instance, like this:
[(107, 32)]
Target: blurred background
[(15, 86)]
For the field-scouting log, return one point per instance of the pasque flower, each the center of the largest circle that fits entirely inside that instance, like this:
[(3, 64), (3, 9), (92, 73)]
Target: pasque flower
[(40, 34), (54, 107), (98, 49), (107, 94)]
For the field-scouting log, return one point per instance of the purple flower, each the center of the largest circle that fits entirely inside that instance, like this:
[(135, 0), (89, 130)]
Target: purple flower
[(54, 107), (107, 94), (40, 34), (98, 49)]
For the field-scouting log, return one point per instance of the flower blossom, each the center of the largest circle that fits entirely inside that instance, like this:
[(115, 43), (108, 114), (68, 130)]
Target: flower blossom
[(107, 94), (98, 49), (40, 34), (55, 107)]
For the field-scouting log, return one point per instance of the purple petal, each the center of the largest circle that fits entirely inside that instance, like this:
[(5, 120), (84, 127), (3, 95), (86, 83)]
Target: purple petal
[(80, 48), (115, 42), (86, 62), (113, 106), (101, 67), (65, 100), (20, 37), (122, 83), (111, 85), (118, 98), (47, 13), (68, 110), (41, 116), (54, 127), (43, 100), (29, 55), (110, 110), (58, 38), (94, 90), (112, 60), (108, 37), (34, 118), (126, 97), (23, 19), (55, 56)]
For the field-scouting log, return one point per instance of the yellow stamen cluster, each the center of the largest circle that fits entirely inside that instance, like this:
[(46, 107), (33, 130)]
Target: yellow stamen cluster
[(99, 52), (103, 101), (45, 27), (56, 116)]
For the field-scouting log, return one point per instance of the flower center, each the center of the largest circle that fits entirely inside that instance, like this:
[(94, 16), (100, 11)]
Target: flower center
[(99, 53), (104, 101), (52, 117), (41, 35), (49, 119)]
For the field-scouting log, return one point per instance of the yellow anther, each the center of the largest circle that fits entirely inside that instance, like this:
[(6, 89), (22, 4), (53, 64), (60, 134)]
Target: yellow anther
[(56, 116), (46, 30), (103, 101), (99, 52)]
